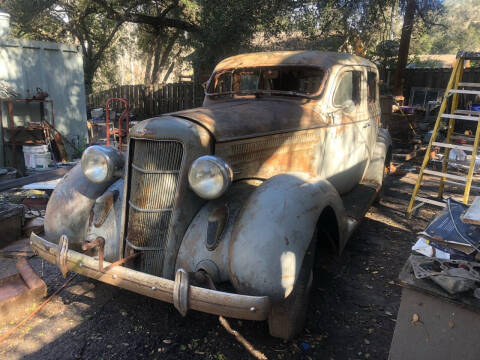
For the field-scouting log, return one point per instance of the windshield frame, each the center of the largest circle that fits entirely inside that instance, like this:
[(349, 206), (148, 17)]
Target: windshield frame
[(267, 92)]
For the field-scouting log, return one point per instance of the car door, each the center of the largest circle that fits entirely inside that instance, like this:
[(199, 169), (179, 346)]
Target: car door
[(347, 135)]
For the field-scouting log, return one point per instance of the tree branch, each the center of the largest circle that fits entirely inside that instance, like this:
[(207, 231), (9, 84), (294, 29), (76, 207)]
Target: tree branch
[(428, 22), (158, 22), (106, 43)]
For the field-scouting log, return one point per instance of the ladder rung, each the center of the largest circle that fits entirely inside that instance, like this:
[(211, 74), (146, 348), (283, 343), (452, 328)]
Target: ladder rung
[(462, 137), (453, 146), (446, 175), (467, 112), (459, 117), (428, 201), (469, 84), (472, 92), (473, 187)]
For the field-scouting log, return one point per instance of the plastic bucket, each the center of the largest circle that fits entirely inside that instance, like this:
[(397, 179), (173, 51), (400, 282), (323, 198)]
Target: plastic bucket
[(37, 157), (97, 113)]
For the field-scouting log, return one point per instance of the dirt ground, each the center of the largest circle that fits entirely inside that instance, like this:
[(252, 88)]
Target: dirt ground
[(351, 315)]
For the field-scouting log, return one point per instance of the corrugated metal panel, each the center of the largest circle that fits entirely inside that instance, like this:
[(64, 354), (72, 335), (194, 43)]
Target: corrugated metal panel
[(55, 68)]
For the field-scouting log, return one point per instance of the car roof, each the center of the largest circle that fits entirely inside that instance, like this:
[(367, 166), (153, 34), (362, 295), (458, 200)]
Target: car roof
[(323, 59)]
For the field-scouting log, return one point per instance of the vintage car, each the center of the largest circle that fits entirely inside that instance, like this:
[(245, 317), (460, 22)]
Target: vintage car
[(221, 208)]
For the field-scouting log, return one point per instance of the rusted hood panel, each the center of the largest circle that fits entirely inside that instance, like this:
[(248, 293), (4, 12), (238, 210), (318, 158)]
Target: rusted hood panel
[(237, 119)]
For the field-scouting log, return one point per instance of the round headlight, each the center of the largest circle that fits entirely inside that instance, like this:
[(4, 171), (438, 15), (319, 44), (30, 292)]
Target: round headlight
[(101, 163), (210, 177)]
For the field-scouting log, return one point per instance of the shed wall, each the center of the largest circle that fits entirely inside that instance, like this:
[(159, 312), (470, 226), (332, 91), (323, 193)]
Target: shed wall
[(55, 68)]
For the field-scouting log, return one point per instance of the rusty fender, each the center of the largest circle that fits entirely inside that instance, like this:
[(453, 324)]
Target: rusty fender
[(106, 218), (381, 156), (194, 253), (274, 230), (68, 209)]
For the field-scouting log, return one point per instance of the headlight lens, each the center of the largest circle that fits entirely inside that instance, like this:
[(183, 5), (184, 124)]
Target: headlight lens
[(101, 164), (209, 177)]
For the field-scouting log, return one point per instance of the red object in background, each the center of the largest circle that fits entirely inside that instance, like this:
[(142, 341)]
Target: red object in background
[(36, 203), (124, 115)]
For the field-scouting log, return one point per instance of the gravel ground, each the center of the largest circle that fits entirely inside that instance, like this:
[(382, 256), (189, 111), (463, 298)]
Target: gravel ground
[(351, 315)]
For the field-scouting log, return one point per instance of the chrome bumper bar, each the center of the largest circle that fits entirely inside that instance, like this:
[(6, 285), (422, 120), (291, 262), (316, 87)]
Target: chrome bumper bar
[(195, 298)]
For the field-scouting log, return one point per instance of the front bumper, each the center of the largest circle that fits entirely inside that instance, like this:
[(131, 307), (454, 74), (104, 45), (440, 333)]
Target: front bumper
[(201, 299)]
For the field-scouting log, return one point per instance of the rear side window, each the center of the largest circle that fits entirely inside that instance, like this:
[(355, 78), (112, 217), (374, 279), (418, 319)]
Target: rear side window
[(372, 87), (348, 89)]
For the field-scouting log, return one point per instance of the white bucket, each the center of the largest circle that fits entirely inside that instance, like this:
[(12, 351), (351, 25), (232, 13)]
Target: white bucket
[(37, 157), (97, 113)]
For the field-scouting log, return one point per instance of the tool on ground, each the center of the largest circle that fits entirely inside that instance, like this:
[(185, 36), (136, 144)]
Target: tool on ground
[(118, 133), (450, 100)]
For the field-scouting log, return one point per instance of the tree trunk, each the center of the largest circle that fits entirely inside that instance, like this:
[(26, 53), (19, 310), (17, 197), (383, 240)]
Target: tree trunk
[(89, 70), (408, 21), (148, 70), (156, 61), (172, 65), (159, 65)]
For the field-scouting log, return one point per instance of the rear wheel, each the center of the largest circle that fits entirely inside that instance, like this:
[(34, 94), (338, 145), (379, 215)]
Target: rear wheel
[(386, 170), (287, 318)]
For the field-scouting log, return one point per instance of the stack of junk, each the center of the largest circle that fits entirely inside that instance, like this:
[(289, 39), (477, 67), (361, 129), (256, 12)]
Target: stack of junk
[(450, 246)]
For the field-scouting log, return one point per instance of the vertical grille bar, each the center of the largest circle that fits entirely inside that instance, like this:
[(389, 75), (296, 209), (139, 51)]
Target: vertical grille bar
[(155, 172)]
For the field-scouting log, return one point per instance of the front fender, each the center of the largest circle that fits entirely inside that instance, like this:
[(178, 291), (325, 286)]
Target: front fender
[(274, 230), (106, 218), (69, 207)]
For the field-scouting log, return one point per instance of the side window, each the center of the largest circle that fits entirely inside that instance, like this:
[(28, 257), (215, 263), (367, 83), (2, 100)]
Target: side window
[(223, 83), (372, 87), (348, 89)]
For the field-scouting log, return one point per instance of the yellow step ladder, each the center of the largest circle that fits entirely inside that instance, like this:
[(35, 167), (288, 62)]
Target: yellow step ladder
[(454, 88)]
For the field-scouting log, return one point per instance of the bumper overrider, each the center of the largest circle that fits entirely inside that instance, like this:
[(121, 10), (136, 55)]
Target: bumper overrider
[(179, 292)]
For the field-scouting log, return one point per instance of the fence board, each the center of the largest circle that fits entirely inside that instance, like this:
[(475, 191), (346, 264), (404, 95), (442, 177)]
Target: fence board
[(148, 101)]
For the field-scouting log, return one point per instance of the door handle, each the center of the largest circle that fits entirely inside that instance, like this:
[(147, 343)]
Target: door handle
[(366, 125)]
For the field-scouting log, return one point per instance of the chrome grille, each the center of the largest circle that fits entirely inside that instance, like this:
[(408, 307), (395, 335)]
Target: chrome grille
[(154, 176)]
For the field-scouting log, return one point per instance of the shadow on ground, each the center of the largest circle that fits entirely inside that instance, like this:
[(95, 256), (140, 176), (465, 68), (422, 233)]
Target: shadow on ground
[(351, 316)]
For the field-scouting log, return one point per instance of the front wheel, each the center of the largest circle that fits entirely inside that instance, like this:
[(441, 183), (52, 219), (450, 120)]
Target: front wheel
[(287, 318)]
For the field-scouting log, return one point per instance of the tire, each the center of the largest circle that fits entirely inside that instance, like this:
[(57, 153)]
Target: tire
[(379, 195), (287, 318)]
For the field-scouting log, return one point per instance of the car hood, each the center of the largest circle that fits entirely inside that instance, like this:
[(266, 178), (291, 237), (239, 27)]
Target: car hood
[(237, 119)]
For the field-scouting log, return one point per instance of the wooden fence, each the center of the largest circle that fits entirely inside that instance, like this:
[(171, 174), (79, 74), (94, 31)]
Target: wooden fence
[(146, 101), (429, 78)]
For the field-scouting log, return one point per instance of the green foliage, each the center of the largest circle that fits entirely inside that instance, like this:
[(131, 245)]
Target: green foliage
[(386, 53), (460, 31)]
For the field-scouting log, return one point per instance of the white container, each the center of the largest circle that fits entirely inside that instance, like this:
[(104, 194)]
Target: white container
[(37, 157), (97, 113), (4, 24)]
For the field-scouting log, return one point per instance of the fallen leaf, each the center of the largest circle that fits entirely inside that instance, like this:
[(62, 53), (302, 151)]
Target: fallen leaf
[(451, 324), (416, 320)]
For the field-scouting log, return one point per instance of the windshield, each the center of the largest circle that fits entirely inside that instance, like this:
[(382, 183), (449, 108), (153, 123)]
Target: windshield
[(282, 80)]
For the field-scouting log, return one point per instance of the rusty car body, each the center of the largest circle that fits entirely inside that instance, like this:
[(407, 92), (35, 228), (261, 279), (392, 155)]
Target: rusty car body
[(285, 153)]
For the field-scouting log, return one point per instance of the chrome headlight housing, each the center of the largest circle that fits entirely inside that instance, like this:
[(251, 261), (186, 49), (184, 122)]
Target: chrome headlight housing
[(210, 176), (102, 163)]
